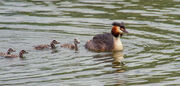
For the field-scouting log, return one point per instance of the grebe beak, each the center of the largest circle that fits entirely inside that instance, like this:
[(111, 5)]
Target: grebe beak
[(26, 52), (122, 28), (58, 42), (125, 31)]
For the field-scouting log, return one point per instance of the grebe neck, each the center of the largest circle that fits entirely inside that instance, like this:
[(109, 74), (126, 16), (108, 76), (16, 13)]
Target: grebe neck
[(117, 44), (52, 46), (8, 52), (21, 55), (76, 47)]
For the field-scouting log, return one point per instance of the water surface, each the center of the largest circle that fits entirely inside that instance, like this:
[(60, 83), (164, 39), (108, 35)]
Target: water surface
[(151, 49)]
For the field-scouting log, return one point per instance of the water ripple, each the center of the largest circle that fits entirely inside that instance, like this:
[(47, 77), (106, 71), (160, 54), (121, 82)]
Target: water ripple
[(151, 53)]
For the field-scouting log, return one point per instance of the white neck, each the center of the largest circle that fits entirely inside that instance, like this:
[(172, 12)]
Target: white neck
[(117, 44)]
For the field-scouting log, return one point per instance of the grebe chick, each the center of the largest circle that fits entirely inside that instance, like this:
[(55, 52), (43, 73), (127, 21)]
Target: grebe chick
[(15, 56), (72, 46), (108, 41), (46, 46), (9, 51)]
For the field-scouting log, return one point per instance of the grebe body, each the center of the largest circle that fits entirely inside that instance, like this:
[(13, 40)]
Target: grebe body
[(72, 46), (46, 46), (15, 56), (108, 41)]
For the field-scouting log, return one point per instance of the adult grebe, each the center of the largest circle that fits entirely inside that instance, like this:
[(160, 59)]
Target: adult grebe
[(46, 46), (108, 41), (72, 46)]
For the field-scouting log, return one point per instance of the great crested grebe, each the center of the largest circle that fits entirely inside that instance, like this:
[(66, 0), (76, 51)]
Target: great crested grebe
[(9, 51), (72, 46), (46, 46), (108, 41), (15, 56)]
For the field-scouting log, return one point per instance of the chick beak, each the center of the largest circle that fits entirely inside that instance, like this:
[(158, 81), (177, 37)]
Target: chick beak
[(26, 52), (58, 42)]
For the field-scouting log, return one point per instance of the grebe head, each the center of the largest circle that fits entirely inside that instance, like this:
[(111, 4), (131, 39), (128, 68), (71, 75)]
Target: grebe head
[(76, 41), (122, 27), (55, 42), (23, 52), (10, 50), (118, 29)]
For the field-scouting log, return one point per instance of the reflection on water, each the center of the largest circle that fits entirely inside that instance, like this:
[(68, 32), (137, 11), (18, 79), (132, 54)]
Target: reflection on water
[(54, 51), (118, 62), (151, 49), (116, 58)]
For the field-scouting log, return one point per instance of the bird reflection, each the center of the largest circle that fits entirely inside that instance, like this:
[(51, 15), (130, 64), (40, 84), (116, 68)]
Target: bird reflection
[(117, 60), (54, 51)]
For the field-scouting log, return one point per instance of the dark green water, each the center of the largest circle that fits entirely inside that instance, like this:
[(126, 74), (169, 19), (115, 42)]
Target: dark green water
[(151, 49)]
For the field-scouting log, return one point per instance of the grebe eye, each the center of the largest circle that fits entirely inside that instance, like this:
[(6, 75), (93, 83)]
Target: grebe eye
[(122, 27)]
